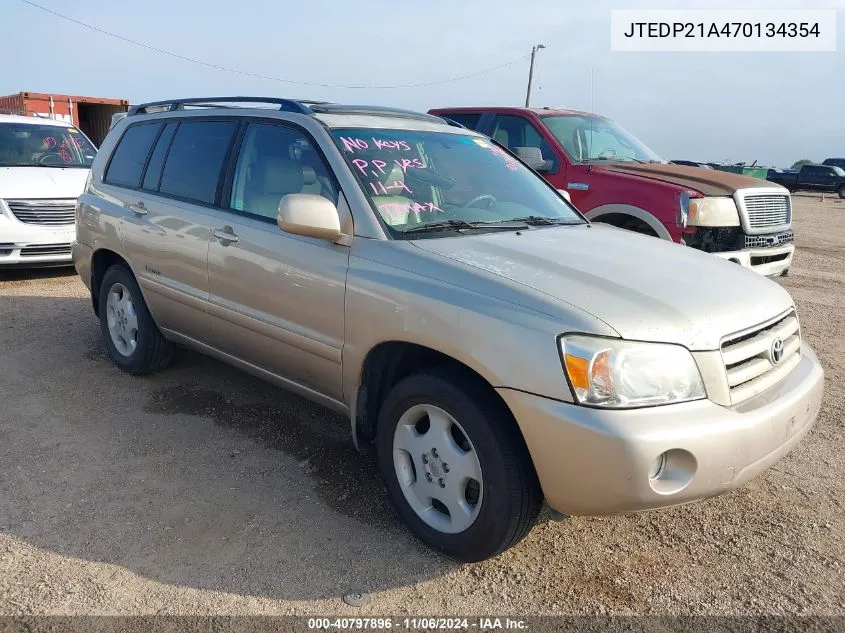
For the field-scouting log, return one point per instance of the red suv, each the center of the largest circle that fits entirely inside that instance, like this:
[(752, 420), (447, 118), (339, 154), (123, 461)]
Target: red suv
[(612, 177)]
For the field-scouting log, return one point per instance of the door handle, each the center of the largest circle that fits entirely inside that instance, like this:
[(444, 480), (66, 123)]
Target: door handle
[(225, 235), (138, 209)]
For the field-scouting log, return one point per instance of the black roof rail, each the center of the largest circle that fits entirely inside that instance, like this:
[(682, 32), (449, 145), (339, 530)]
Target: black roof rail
[(301, 106), (339, 108), (286, 105)]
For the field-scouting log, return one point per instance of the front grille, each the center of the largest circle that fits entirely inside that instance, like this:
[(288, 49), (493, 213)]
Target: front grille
[(45, 249), (767, 210), (44, 212), (765, 241), (748, 357), (6, 249)]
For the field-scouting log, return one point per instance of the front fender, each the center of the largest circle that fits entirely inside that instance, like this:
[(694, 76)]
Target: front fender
[(628, 209)]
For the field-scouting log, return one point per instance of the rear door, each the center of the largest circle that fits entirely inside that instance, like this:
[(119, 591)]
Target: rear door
[(166, 229), (828, 178), (810, 177), (277, 300)]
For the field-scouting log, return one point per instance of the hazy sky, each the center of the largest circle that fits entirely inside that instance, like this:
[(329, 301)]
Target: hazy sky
[(773, 107)]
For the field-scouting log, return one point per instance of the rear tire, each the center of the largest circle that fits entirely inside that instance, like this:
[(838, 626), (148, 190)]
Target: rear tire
[(489, 497), (132, 338)]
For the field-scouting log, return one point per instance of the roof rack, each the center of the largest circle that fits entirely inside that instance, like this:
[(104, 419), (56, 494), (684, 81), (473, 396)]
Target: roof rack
[(300, 106), (339, 108), (286, 105)]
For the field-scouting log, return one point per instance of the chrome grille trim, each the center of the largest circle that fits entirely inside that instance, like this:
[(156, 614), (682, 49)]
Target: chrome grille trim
[(767, 241), (47, 212), (746, 355), (764, 210), (45, 249)]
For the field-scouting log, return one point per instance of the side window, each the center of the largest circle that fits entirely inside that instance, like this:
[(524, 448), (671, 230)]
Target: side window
[(515, 132), (195, 161), (153, 174), (274, 161), (467, 119), (130, 156)]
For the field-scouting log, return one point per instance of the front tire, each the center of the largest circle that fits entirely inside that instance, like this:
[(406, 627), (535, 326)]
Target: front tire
[(842, 192), (132, 338), (455, 465)]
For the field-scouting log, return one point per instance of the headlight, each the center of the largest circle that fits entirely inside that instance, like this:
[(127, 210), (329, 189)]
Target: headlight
[(712, 212), (613, 373)]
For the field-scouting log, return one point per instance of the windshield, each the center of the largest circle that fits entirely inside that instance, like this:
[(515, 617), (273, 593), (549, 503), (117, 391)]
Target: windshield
[(589, 138), (839, 171), (34, 145), (417, 179)]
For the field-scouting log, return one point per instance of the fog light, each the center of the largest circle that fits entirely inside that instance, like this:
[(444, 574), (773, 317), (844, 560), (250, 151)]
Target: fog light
[(657, 466), (672, 471)]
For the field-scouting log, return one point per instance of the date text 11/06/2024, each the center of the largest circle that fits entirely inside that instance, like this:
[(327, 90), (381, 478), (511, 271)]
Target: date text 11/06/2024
[(446, 624)]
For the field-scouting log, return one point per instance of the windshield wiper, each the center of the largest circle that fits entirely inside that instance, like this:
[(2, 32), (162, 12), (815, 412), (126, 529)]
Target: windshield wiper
[(454, 225), (539, 220)]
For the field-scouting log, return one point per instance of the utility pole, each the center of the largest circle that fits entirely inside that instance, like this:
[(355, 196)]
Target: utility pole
[(534, 50)]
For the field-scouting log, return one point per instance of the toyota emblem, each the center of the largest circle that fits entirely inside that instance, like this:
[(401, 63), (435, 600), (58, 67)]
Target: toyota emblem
[(776, 352)]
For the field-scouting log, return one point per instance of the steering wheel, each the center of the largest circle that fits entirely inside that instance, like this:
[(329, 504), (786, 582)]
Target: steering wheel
[(51, 159), (610, 152), (484, 196)]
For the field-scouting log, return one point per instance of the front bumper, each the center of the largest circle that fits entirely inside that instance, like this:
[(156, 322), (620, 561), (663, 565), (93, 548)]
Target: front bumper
[(769, 261), (598, 461), (24, 245)]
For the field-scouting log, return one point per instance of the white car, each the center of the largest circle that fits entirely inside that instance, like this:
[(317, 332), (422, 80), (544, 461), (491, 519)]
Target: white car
[(43, 168)]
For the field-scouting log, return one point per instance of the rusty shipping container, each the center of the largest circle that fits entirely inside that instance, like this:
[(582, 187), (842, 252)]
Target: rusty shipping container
[(92, 115)]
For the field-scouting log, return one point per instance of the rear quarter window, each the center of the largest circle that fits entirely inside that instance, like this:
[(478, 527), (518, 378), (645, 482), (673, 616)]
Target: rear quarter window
[(130, 155)]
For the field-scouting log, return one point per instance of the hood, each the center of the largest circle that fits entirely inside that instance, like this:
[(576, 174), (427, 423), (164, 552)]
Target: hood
[(642, 287), (709, 182), (42, 182)]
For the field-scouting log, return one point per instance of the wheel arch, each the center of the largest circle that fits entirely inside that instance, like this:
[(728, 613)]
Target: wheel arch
[(384, 366), (604, 213), (101, 261)]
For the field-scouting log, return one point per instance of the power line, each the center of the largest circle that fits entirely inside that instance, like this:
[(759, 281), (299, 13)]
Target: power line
[(259, 76)]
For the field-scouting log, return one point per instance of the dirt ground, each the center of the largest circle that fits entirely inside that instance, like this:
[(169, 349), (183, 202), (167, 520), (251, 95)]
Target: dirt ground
[(204, 491)]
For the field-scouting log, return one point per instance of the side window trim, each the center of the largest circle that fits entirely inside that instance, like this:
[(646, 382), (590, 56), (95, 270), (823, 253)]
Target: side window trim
[(226, 193), (231, 166), (231, 158), (150, 155), (177, 123)]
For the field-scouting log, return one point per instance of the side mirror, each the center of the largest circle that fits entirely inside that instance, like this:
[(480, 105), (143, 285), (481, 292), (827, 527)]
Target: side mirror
[(565, 194), (309, 215)]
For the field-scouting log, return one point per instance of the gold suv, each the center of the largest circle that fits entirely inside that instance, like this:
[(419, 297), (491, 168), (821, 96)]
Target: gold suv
[(490, 345)]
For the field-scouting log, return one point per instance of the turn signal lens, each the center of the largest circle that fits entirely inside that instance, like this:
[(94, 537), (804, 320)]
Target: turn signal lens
[(576, 368)]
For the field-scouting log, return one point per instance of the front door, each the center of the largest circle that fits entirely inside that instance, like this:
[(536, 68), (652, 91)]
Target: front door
[(277, 300)]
